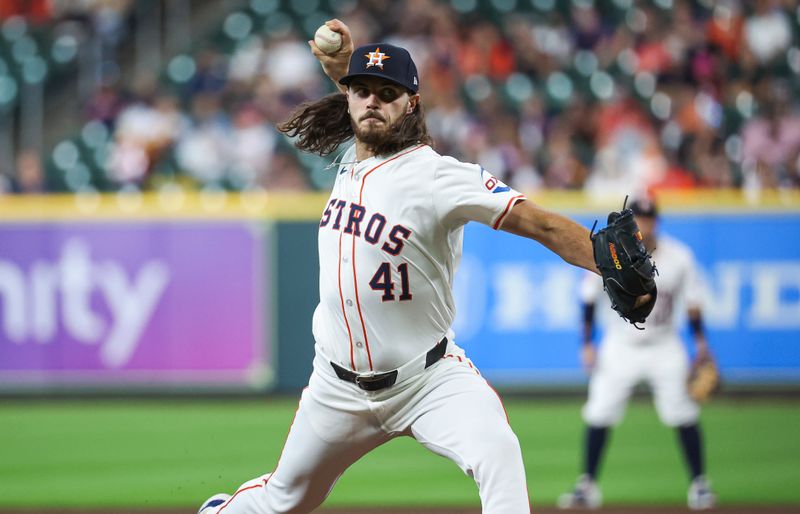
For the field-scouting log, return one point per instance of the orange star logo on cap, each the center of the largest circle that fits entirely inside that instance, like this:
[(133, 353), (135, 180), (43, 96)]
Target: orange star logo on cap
[(376, 58)]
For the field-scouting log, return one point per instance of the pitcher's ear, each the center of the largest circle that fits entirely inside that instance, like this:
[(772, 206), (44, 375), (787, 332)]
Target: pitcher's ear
[(412, 104)]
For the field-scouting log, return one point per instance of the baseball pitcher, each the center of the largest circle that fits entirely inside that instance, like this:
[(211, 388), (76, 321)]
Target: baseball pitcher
[(387, 363)]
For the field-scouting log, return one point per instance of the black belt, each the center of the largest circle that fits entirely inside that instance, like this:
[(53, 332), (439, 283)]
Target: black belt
[(384, 380)]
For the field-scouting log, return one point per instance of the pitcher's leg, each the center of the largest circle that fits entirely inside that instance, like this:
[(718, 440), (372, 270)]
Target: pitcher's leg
[(462, 418), (310, 464)]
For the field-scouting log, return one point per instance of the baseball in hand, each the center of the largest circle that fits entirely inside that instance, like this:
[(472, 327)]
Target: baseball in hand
[(327, 40)]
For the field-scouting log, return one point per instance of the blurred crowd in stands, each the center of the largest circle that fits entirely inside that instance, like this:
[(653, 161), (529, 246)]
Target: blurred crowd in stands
[(600, 95)]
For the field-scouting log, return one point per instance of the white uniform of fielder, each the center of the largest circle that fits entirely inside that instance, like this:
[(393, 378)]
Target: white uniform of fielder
[(656, 355)]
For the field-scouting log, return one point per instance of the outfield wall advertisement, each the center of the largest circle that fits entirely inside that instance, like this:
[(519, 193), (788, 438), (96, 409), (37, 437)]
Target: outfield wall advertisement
[(133, 303), (193, 302), (519, 314)]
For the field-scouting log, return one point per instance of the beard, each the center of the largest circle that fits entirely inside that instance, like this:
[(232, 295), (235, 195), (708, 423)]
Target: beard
[(372, 135), (383, 139)]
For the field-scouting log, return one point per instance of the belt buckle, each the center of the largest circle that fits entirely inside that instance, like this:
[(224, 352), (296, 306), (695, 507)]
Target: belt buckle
[(376, 381), (365, 379)]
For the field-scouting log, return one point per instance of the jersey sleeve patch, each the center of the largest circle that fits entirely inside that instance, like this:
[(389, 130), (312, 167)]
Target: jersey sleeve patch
[(492, 183), (465, 192)]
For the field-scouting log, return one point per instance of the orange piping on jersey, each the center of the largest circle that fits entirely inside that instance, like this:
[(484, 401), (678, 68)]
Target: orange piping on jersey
[(511, 203), (355, 277), (509, 422), (451, 356), (341, 299), (358, 303), (264, 484), (500, 400), (237, 494)]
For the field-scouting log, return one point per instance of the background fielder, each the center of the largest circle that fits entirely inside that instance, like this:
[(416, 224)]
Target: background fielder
[(655, 355)]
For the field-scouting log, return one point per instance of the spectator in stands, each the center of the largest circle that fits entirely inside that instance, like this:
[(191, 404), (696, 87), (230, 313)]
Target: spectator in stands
[(768, 32), (35, 11), (285, 174), (252, 146), (202, 151), (211, 73), (725, 28), (105, 104), (29, 176), (145, 130), (771, 142)]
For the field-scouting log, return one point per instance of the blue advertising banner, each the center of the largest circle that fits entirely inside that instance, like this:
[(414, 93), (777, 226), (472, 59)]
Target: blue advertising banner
[(519, 310)]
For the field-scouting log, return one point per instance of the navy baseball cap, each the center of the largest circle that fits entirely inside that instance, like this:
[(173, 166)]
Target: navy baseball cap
[(383, 60), (644, 207)]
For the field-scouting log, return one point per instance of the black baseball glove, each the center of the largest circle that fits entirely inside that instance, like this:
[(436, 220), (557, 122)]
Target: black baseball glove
[(628, 273)]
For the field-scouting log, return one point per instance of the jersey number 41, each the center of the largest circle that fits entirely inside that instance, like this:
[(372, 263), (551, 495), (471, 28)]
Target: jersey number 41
[(382, 281)]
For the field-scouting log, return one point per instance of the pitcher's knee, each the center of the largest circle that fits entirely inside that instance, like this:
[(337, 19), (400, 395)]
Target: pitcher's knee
[(500, 448), (508, 443)]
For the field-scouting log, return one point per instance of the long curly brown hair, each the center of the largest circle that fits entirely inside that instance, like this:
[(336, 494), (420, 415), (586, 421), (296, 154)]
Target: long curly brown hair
[(323, 125)]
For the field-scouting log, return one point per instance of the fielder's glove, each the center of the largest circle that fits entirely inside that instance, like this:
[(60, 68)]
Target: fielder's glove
[(626, 268), (704, 380)]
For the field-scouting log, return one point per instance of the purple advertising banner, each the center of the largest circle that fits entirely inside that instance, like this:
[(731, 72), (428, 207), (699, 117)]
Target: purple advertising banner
[(150, 303)]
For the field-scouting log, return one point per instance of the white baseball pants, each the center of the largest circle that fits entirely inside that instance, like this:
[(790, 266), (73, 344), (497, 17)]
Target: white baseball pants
[(449, 408), (662, 364)]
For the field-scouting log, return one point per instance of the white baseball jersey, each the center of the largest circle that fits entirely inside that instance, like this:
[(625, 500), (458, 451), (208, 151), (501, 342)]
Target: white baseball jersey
[(390, 240), (654, 355), (678, 290)]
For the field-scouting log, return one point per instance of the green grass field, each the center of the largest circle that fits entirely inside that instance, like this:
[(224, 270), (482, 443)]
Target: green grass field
[(178, 452)]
